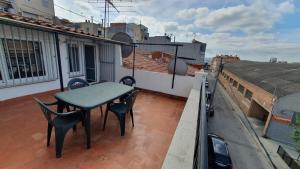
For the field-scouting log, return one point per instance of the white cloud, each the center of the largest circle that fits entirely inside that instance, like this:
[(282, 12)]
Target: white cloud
[(286, 7), (156, 27), (192, 13), (257, 17)]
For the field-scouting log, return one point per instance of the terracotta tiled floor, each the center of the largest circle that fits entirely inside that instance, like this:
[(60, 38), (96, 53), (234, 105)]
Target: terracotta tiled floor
[(23, 136)]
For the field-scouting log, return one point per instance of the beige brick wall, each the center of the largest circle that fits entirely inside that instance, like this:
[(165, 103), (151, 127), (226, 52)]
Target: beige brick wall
[(262, 97)]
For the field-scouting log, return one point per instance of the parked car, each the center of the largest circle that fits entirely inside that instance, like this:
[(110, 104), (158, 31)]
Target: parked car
[(208, 95), (210, 112), (206, 84), (218, 154)]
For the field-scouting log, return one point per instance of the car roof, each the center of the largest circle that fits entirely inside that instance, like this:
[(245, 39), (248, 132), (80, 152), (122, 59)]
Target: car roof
[(219, 146), (214, 135)]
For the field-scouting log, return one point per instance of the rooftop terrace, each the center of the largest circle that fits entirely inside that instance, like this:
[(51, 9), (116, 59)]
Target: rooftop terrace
[(23, 136)]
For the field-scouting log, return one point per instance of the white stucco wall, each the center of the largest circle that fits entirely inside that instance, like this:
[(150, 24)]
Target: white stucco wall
[(155, 81), (23, 90)]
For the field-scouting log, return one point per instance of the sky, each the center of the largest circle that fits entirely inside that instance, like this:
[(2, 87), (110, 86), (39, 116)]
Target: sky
[(252, 29)]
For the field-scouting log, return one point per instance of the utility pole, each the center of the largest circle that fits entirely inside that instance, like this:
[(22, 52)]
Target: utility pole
[(104, 25), (221, 66)]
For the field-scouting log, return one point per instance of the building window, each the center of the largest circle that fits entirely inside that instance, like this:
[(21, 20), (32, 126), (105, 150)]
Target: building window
[(26, 56), (203, 47), (75, 60), (45, 3), (227, 77), (241, 88), (73, 53), (23, 58), (248, 94), (231, 80), (235, 83)]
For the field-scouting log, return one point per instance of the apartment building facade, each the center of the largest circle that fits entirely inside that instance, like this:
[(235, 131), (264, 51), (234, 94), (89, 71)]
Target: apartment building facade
[(195, 50), (37, 9), (32, 53), (90, 27), (137, 32)]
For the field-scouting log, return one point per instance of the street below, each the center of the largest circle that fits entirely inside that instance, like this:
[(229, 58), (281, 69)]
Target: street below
[(244, 150)]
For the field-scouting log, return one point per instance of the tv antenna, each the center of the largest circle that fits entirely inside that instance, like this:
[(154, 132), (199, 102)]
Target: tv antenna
[(115, 5)]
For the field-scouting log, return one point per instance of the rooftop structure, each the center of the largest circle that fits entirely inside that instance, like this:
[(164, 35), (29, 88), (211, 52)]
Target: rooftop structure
[(269, 92), (137, 32), (279, 78), (90, 27), (215, 62), (194, 51)]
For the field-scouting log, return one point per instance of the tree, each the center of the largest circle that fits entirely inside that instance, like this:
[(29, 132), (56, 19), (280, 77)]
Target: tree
[(296, 132)]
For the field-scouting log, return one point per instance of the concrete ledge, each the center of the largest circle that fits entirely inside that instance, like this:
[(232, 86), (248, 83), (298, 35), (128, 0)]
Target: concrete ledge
[(181, 151)]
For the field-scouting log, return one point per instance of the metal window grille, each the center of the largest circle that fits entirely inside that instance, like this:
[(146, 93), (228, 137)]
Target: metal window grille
[(76, 60), (26, 56)]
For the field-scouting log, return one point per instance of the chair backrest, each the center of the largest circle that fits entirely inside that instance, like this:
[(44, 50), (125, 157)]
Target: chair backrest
[(130, 99), (77, 83), (128, 80), (46, 111)]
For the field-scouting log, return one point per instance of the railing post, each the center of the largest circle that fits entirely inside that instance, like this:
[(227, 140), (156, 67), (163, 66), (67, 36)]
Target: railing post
[(61, 80), (174, 68)]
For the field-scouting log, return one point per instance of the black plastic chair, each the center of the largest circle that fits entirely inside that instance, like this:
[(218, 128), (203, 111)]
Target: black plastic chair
[(128, 80), (121, 109), (77, 83), (62, 122)]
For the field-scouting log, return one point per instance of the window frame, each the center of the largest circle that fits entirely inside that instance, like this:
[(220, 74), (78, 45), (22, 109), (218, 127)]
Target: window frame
[(242, 87), (247, 96), (235, 83), (22, 48), (81, 62), (11, 79)]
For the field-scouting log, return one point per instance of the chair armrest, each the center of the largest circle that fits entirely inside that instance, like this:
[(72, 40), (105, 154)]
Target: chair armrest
[(51, 104), (67, 113)]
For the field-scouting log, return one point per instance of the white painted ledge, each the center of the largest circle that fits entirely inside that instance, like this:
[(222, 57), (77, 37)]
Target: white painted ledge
[(181, 151)]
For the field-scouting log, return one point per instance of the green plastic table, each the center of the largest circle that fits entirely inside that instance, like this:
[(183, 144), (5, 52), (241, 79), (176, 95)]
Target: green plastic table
[(89, 97)]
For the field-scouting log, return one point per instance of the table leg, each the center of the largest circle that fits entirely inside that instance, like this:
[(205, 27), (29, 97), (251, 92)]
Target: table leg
[(88, 128), (60, 107)]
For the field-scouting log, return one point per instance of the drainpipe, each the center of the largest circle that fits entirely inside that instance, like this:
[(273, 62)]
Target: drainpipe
[(61, 80)]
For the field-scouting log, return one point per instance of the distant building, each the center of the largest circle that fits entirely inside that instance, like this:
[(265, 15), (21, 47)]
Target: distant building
[(269, 92), (37, 9), (194, 50), (273, 60), (137, 32), (215, 62), (90, 27), (63, 22)]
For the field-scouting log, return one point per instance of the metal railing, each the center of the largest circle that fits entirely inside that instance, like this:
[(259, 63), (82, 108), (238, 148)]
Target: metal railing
[(201, 151), (26, 56), (287, 158)]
